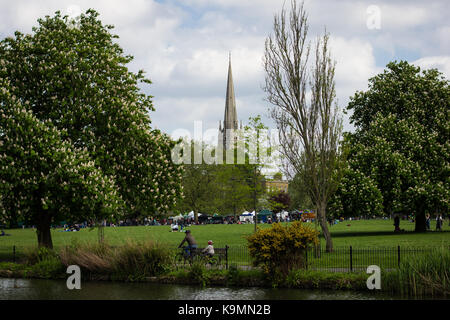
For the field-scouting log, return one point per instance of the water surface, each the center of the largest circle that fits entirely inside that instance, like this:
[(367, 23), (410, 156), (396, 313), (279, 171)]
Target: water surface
[(31, 289)]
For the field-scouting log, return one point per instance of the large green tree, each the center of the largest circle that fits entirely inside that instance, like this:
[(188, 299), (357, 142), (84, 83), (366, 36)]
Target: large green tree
[(44, 177), (75, 77), (402, 139), (357, 195)]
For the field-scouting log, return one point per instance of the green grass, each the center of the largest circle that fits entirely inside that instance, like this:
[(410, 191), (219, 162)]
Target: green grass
[(372, 241), (362, 233)]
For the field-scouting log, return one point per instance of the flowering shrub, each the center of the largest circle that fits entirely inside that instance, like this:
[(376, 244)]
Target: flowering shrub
[(76, 141), (281, 248)]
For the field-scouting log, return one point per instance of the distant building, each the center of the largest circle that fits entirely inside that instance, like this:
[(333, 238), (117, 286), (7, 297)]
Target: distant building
[(227, 134), (276, 185)]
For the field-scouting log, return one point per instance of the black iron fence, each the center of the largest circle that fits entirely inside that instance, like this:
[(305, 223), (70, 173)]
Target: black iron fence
[(342, 259)]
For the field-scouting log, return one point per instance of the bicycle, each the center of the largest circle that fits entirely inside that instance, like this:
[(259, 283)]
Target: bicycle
[(186, 255), (192, 255)]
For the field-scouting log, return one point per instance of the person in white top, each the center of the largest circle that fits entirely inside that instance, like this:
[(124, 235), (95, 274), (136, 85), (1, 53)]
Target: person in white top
[(209, 250)]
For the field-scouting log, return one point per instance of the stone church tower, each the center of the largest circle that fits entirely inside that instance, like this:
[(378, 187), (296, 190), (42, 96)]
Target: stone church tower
[(227, 135)]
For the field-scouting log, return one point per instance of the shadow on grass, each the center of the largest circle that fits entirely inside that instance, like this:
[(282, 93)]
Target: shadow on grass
[(343, 234)]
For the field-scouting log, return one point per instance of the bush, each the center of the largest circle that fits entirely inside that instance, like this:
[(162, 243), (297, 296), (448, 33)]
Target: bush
[(233, 275), (141, 260), (198, 273), (281, 249), (36, 255), (44, 263), (49, 267)]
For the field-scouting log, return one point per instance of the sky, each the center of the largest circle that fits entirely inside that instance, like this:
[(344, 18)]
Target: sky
[(184, 46)]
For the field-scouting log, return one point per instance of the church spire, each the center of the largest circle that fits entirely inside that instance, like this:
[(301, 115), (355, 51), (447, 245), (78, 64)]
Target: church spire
[(230, 118), (227, 134)]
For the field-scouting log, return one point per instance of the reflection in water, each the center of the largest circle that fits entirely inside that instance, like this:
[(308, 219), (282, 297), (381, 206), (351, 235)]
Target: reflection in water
[(30, 289)]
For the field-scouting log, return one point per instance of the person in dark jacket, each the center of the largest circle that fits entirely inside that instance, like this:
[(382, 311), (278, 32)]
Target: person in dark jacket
[(439, 222), (192, 244), (397, 223)]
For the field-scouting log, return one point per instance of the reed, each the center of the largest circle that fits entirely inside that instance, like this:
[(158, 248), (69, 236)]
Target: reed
[(426, 275), (133, 261)]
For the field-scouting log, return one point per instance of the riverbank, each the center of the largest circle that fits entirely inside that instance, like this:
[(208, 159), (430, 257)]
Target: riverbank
[(422, 276), (233, 278), (200, 276)]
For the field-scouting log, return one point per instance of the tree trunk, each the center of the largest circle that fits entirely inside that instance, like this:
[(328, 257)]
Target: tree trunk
[(195, 216), (101, 232), (43, 231), (42, 218), (420, 220), (324, 226)]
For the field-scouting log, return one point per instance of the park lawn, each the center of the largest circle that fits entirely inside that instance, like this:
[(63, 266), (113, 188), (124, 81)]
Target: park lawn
[(358, 233)]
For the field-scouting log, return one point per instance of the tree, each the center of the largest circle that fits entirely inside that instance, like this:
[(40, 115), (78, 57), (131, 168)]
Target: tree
[(298, 193), (279, 201), (75, 77), (44, 177), (259, 156), (357, 195), (278, 176), (234, 188), (199, 182), (402, 139), (309, 132)]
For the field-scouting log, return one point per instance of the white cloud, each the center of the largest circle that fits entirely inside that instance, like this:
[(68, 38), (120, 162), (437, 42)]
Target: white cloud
[(394, 16), (183, 46), (442, 63)]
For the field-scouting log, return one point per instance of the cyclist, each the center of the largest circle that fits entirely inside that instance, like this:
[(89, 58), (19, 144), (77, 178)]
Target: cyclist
[(192, 244), (209, 250)]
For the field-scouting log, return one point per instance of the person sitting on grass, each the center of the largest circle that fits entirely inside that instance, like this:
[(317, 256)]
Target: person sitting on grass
[(192, 244), (209, 250), (4, 234)]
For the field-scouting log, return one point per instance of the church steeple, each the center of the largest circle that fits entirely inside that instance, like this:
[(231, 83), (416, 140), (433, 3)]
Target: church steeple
[(227, 135), (230, 118)]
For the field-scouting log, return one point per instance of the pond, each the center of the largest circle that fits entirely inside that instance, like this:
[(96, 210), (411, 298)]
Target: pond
[(31, 289)]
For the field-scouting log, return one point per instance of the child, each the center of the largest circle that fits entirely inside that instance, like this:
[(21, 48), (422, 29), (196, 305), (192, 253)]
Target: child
[(209, 250)]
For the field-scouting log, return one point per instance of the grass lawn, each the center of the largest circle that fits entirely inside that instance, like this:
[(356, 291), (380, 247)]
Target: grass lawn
[(362, 233)]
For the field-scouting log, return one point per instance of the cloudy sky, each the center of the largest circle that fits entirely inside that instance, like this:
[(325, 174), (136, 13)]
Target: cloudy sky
[(183, 46)]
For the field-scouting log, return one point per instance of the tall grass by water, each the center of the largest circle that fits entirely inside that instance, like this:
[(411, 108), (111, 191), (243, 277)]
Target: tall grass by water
[(421, 276), (133, 260)]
